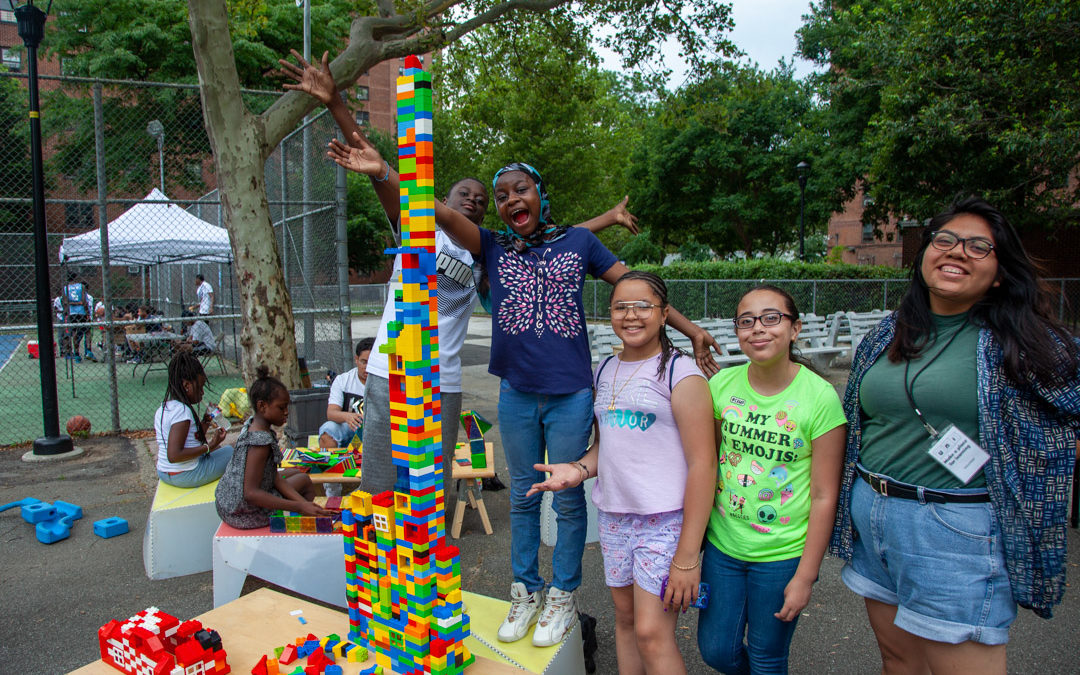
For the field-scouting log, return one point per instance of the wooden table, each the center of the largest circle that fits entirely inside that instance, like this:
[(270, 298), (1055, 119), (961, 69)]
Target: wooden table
[(468, 478), (254, 624)]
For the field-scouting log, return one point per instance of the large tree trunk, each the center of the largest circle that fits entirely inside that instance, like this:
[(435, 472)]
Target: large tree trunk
[(238, 141)]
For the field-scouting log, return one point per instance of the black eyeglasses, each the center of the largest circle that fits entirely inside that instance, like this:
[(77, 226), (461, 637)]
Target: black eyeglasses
[(767, 319), (974, 247), (637, 308)]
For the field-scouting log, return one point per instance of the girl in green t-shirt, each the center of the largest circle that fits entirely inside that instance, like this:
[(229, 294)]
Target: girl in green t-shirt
[(780, 432)]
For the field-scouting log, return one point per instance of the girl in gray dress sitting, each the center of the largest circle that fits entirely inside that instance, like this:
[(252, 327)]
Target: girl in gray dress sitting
[(252, 487)]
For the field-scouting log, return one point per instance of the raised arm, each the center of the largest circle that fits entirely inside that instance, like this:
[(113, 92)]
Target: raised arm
[(702, 340), (616, 215), (317, 82), (362, 157)]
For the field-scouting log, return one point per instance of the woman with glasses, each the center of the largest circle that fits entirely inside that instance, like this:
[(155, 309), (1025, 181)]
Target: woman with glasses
[(963, 409), (780, 432)]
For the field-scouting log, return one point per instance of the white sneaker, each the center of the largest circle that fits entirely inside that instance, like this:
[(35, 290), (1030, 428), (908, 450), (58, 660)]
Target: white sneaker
[(524, 607), (560, 613)]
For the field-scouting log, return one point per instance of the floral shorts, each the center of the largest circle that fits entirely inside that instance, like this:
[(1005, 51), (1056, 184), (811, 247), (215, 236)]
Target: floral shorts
[(638, 549)]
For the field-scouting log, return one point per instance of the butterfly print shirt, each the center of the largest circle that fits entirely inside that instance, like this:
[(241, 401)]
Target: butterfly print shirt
[(539, 340)]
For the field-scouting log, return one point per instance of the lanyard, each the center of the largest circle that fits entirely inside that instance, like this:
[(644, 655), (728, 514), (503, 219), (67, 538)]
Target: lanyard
[(909, 386)]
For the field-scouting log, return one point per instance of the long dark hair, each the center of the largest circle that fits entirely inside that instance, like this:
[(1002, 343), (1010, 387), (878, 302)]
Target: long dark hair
[(1018, 310), (184, 367), (791, 308), (659, 289)]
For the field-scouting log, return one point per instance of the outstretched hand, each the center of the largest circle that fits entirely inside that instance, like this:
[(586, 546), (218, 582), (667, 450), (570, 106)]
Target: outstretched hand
[(704, 345), (623, 216), (361, 156), (562, 476), (316, 82)]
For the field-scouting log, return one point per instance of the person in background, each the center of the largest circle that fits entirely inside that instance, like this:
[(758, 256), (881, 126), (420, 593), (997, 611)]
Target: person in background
[(198, 338), (345, 407), (205, 292), (77, 306)]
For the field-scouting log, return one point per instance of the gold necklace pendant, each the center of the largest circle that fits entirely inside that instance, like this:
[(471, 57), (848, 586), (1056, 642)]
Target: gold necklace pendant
[(614, 379)]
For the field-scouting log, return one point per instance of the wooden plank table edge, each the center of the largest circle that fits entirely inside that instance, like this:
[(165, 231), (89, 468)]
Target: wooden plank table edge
[(254, 624)]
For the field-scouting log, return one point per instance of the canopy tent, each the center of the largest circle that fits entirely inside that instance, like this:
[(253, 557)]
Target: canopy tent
[(151, 232)]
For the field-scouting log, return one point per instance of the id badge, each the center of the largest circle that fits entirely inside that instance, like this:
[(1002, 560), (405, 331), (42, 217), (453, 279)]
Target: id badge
[(959, 454)]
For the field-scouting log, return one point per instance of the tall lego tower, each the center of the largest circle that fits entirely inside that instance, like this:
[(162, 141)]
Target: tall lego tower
[(403, 583)]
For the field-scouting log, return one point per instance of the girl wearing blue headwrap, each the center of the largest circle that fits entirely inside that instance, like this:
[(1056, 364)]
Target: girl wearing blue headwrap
[(540, 350)]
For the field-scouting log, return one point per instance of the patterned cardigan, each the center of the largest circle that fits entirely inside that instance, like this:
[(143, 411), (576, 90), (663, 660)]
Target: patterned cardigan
[(1031, 436)]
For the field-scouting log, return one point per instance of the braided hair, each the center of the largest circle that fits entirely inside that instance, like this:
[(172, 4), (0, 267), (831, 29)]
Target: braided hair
[(659, 289), (265, 388), (184, 367)]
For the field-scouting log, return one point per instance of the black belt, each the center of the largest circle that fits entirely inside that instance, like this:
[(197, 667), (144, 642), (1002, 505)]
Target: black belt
[(906, 491)]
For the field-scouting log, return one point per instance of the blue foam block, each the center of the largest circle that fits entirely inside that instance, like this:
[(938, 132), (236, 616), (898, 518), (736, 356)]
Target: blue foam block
[(110, 527)]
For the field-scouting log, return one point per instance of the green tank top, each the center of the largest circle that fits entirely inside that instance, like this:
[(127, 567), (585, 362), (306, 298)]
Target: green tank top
[(894, 441)]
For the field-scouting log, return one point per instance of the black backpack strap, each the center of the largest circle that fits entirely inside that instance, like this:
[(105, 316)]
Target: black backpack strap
[(596, 378), (671, 370)]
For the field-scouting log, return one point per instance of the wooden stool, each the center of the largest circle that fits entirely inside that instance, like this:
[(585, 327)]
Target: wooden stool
[(468, 486)]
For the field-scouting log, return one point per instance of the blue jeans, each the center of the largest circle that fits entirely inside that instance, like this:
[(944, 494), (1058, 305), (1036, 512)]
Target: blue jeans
[(340, 432), (208, 470), (530, 424), (949, 583), (745, 597)]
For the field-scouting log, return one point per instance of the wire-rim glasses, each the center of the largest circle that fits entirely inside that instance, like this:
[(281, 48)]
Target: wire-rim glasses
[(635, 307), (975, 247)]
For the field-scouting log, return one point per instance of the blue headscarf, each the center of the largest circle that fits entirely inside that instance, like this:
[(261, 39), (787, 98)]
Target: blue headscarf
[(546, 231)]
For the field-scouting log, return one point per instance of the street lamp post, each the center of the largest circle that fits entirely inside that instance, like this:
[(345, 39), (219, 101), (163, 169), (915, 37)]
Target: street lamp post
[(156, 129), (802, 168), (31, 27)]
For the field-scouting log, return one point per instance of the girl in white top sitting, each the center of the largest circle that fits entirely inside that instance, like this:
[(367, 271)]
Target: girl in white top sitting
[(190, 453)]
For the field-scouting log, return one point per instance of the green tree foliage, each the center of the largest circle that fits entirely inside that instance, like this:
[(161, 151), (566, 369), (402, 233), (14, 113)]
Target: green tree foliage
[(717, 162), (14, 158), (150, 40), (641, 250), (936, 99), (529, 90)]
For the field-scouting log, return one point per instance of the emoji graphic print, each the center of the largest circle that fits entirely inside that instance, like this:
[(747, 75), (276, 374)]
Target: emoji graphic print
[(762, 500), (540, 292)]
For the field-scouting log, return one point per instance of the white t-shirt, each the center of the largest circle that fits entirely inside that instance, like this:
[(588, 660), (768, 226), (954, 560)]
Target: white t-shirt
[(166, 416), (457, 298), (346, 391), (204, 291), (202, 334)]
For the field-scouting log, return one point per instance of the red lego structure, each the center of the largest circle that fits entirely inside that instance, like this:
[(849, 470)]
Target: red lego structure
[(155, 643)]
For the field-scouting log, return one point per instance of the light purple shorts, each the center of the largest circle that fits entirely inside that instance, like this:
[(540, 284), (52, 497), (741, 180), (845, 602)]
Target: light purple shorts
[(638, 549)]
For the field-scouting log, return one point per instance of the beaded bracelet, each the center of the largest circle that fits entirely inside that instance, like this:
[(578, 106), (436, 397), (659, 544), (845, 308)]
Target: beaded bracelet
[(385, 176), (686, 569)]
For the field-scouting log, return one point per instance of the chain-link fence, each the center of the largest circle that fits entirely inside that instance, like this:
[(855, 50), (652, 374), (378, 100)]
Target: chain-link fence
[(124, 256), (717, 298)]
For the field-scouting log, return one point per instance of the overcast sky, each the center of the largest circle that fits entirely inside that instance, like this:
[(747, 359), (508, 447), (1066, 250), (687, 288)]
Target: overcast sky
[(764, 29)]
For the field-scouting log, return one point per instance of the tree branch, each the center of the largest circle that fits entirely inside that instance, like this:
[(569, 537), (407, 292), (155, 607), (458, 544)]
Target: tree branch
[(372, 40)]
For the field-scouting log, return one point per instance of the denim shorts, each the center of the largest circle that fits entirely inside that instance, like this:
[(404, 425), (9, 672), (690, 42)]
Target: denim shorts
[(638, 549), (941, 565)]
